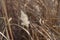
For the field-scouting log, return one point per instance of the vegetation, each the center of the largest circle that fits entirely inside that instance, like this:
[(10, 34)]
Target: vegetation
[(29, 20)]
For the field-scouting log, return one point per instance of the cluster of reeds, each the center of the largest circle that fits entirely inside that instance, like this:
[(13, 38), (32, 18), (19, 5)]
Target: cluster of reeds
[(29, 20)]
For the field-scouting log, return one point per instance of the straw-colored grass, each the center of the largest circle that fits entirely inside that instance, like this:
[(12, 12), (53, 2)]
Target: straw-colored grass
[(30, 20)]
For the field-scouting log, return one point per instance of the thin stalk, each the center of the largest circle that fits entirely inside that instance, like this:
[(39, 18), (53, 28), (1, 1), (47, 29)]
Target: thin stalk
[(6, 16)]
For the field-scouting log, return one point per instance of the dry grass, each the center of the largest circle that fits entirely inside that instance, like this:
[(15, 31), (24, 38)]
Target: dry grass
[(40, 18)]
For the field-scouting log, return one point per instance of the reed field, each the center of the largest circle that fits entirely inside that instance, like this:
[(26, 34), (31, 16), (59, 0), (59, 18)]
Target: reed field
[(29, 19)]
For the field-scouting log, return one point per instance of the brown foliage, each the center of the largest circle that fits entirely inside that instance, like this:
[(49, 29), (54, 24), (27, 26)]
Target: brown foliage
[(44, 17)]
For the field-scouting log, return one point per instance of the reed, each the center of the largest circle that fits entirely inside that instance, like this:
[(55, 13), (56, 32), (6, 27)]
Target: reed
[(29, 20)]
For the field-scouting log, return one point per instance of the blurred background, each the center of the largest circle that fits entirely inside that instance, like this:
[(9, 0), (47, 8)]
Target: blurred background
[(43, 15)]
